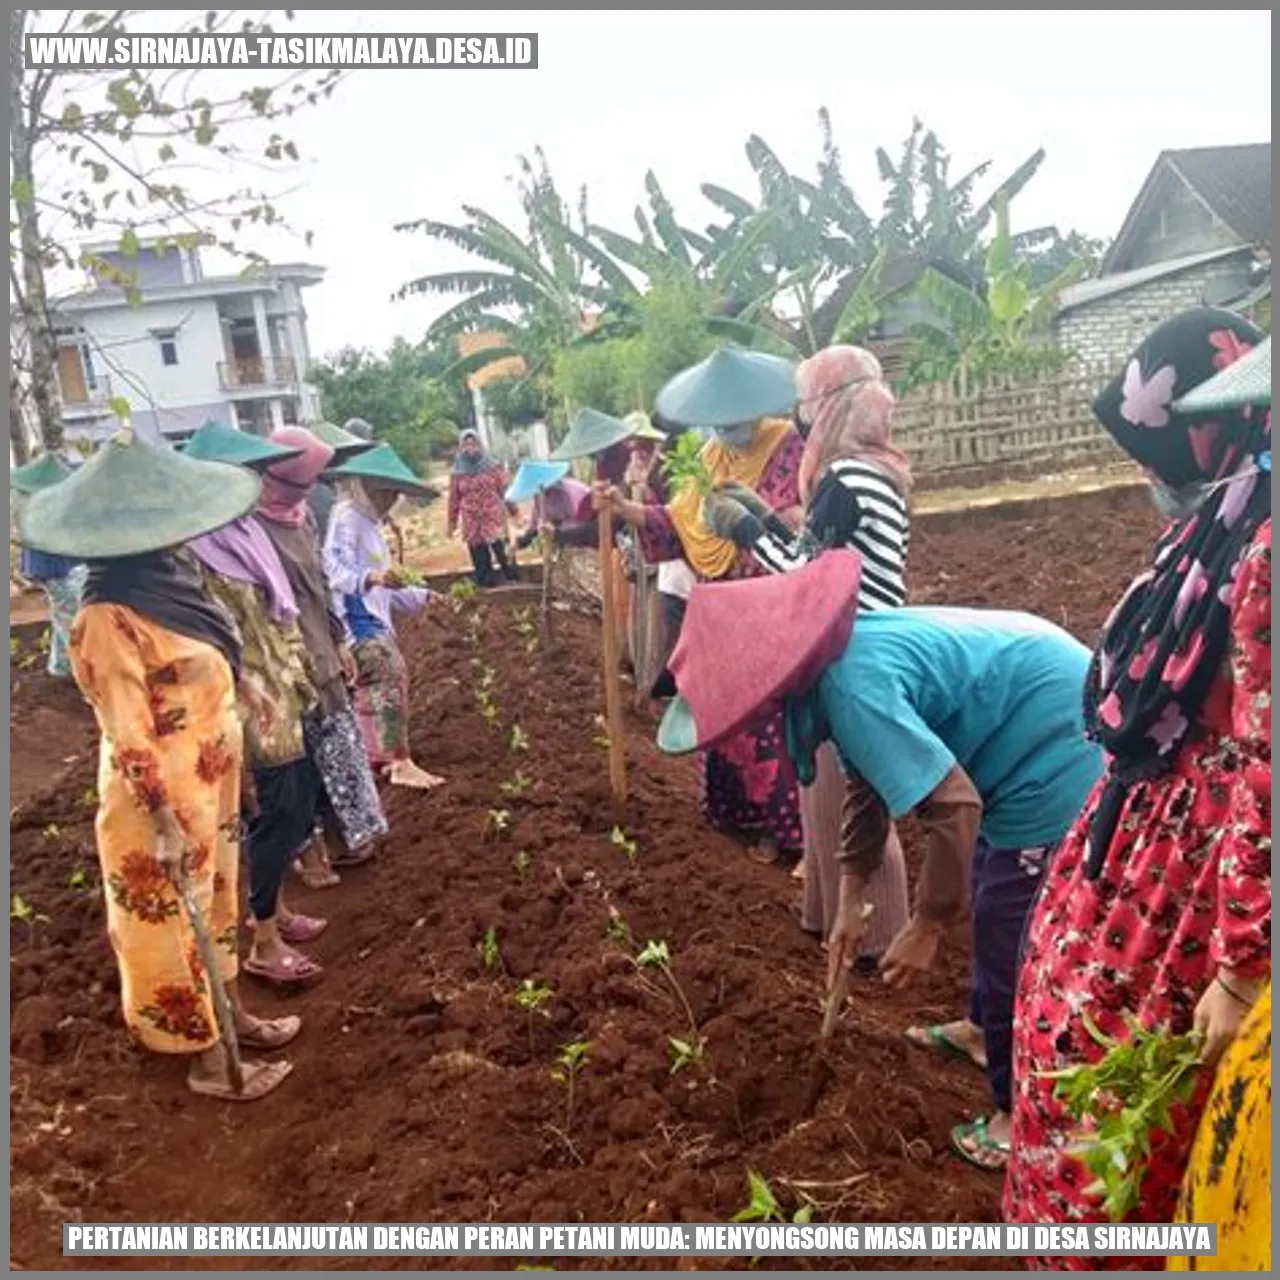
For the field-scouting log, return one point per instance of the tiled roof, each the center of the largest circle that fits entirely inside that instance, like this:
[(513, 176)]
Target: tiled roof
[(1236, 184)]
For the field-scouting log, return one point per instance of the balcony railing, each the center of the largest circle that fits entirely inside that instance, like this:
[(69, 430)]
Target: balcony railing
[(251, 373)]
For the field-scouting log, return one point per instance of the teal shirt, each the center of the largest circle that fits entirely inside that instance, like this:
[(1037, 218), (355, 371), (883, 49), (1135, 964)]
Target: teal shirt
[(919, 690)]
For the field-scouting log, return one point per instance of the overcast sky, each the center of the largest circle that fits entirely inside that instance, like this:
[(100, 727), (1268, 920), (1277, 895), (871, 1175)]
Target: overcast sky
[(619, 92)]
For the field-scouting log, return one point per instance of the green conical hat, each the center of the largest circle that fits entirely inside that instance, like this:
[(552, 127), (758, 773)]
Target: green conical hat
[(214, 442), (48, 469), (343, 443), (729, 387), (133, 497), (381, 465), (642, 428), (592, 432), (1247, 381)]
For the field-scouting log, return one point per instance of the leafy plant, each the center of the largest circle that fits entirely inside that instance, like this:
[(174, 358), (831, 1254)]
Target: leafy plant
[(684, 466), (79, 880), (516, 785), (531, 995), (517, 739), (601, 736), (1123, 1099), (90, 798), (52, 832), (525, 625), (522, 862), (490, 953), (461, 593), (21, 909), (684, 1052), (571, 1060), (655, 954), (405, 576), (763, 1205), (497, 823), (620, 840), (618, 931)]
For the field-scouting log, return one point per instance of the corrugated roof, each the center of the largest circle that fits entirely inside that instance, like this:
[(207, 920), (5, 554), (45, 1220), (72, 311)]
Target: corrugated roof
[(1076, 295)]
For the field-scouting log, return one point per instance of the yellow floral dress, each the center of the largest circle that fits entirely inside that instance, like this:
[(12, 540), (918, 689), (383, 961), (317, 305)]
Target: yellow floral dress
[(165, 705), (1228, 1178)]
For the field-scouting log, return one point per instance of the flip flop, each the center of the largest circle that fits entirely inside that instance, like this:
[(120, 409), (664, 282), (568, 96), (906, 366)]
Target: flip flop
[(936, 1040), (316, 877), (293, 969), (297, 930), (265, 1078), (991, 1155), (354, 857), (271, 1033)]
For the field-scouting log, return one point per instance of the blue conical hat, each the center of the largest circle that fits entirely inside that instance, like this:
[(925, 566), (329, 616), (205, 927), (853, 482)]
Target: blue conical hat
[(729, 387), (534, 476), (592, 432)]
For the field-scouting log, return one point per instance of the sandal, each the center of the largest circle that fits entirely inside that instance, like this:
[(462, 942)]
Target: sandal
[(974, 1145), (291, 970), (270, 1033), (354, 857), (297, 930), (935, 1038), (260, 1079), (322, 877)]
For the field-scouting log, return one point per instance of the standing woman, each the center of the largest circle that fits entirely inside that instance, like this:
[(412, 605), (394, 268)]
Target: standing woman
[(476, 506), (749, 788), (367, 590), (854, 483), (157, 660), (243, 573), (350, 811), (1158, 904), (61, 579)]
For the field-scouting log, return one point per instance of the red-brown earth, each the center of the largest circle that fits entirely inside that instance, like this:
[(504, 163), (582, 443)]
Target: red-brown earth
[(422, 1091)]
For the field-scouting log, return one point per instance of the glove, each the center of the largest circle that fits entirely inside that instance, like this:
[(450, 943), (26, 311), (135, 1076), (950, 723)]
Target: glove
[(526, 539), (759, 508), (727, 518)]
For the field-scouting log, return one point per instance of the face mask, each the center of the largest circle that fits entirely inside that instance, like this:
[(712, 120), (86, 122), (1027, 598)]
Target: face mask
[(737, 437)]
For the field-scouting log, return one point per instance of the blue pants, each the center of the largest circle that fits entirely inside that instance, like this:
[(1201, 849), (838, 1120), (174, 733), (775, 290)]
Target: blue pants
[(1005, 884)]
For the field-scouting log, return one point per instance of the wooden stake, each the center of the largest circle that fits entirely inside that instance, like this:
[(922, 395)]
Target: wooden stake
[(612, 684)]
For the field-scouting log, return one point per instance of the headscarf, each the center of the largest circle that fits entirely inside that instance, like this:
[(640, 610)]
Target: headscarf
[(165, 586), (359, 428), (242, 552), (709, 555), (354, 492), (851, 416), (466, 465), (1165, 642), (285, 485)]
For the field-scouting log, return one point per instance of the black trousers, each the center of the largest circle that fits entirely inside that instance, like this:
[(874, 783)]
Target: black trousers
[(483, 556), (286, 817)]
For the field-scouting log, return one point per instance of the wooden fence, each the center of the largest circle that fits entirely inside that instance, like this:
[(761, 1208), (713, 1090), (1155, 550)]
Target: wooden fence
[(1005, 429)]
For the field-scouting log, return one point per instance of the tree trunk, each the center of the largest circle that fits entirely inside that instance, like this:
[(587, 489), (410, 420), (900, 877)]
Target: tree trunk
[(33, 301), (19, 442)]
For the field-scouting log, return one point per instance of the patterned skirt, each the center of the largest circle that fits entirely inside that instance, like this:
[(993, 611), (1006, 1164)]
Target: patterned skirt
[(350, 794), (381, 699), (63, 596)]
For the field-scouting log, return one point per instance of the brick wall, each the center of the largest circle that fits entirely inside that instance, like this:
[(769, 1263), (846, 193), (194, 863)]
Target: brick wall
[(1105, 332)]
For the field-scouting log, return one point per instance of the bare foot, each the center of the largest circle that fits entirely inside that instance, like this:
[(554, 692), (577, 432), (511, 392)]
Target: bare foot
[(210, 1077), (314, 869), (404, 773)]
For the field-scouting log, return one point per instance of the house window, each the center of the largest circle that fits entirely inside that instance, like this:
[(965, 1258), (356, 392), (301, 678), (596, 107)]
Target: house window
[(168, 340)]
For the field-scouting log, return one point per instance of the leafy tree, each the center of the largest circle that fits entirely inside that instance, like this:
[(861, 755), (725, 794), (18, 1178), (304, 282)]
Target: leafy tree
[(98, 152), (1047, 253)]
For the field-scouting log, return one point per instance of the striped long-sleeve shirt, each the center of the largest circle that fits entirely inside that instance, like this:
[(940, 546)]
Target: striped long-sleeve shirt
[(856, 506)]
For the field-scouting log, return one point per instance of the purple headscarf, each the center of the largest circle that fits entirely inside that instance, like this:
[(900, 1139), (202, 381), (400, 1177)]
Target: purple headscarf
[(242, 552)]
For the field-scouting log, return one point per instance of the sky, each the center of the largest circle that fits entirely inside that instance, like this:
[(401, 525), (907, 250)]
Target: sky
[(620, 92)]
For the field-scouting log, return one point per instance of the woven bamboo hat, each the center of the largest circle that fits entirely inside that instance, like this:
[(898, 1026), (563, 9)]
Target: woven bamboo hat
[(1247, 381), (214, 442), (382, 466), (728, 388), (592, 432), (48, 469)]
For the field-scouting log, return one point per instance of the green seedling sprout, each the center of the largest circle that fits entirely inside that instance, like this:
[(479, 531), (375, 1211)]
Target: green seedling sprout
[(490, 955), (44, 640), (15, 646), (571, 1060), (52, 832), (522, 862), (90, 798), (620, 840), (490, 713), (763, 1204), (497, 823), (516, 786), (518, 740), (657, 955), (1121, 1100), (601, 736), (21, 909), (78, 880), (460, 594), (618, 931), (531, 995)]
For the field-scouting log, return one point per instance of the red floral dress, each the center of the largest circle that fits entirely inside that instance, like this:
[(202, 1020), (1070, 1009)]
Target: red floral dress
[(1186, 887), (476, 505)]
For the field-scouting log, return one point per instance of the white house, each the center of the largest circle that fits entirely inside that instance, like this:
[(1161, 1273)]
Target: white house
[(192, 348)]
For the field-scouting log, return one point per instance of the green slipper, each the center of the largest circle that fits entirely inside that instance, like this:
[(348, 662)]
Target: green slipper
[(935, 1038), (989, 1154)]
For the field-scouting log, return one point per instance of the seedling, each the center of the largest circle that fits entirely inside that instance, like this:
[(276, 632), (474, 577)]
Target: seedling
[(763, 1205), (490, 713), (52, 832), (657, 955), (684, 467), (490, 955), (531, 645), (403, 576), (601, 736), (516, 786), (1124, 1098), (90, 798), (525, 624), (487, 676), (522, 862), (620, 840), (79, 880), (531, 995), (497, 823), (572, 1058), (618, 931), (461, 594), (21, 909), (518, 740), (15, 646), (44, 640)]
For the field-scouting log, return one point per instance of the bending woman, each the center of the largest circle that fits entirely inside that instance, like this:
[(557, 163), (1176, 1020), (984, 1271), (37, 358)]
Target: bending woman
[(1159, 902)]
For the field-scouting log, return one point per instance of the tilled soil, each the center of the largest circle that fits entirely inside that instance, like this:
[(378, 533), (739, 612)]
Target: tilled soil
[(422, 1090)]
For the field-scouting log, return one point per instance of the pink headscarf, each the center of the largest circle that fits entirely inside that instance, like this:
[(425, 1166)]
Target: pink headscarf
[(844, 395), (285, 485)]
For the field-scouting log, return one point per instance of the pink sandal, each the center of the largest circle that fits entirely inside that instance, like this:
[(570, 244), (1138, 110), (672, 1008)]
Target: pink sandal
[(299, 929), (293, 969)]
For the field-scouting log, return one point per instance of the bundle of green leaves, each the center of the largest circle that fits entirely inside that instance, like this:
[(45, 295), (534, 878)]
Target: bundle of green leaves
[(684, 466)]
